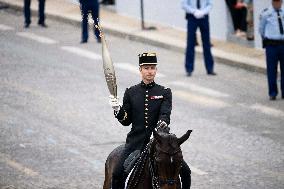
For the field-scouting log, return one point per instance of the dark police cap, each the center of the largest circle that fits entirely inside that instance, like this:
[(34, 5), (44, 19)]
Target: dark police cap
[(147, 58)]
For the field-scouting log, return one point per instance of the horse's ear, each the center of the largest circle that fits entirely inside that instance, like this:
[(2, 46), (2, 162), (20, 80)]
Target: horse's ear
[(156, 135), (184, 137)]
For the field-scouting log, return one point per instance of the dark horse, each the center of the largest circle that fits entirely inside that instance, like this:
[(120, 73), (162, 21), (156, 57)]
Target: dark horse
[(157, 167)]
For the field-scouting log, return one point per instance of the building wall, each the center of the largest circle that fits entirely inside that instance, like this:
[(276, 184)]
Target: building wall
[(170, 13)]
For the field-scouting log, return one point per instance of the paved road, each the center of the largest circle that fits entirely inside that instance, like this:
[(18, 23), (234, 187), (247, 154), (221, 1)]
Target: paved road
[(56, 128)]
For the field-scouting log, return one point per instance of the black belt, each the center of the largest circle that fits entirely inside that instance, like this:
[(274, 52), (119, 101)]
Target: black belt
[(273, 42)]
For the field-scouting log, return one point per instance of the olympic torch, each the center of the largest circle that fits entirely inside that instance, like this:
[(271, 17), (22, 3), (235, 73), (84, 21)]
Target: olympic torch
[(107, 64)]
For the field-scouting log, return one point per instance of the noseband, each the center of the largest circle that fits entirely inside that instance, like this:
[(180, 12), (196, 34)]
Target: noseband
[(167, 181)]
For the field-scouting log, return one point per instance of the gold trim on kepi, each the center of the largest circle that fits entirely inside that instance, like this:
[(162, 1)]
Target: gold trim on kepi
[(147, 58)]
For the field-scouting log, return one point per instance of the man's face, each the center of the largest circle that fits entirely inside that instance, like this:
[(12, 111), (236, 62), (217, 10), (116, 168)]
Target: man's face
[(148, 72), (277, 4)]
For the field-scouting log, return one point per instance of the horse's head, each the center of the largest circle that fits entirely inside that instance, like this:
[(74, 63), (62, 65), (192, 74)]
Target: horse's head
[(167, 159)]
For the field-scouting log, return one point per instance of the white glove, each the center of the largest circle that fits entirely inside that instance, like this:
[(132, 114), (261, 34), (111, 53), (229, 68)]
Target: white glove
[(198, 14), (114, 103)]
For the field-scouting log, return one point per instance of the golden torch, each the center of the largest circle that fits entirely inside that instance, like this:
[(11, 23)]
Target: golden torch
[(107, 64)]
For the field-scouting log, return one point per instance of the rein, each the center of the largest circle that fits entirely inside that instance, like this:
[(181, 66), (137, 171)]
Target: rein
[(139, 166), (155, 179)]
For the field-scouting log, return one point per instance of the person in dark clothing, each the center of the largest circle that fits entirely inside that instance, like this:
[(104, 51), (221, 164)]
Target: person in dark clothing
[(89, 6), (146, 106), (238, 12), (41, 15)]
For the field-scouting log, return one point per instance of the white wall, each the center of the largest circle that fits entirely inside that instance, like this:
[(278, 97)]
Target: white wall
[(161, 11), (169, 12), (219, 24), (128, 7)]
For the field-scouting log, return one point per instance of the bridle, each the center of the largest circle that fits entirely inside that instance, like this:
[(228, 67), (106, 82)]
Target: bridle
[(148, 163), (157, 182)]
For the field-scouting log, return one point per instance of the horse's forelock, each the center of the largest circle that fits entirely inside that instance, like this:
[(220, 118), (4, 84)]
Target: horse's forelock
[(168, 142)]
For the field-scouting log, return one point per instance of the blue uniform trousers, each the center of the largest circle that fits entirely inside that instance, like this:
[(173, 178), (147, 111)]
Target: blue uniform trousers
[(203, 25), (93, 8), (27, 11), (274, 54)]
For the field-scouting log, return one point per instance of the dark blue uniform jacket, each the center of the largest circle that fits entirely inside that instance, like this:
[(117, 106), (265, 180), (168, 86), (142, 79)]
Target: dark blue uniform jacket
[(143, 106)]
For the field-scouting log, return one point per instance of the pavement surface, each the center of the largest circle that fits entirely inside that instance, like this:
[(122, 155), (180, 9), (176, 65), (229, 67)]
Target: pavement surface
[(56, 127), (166, 37)]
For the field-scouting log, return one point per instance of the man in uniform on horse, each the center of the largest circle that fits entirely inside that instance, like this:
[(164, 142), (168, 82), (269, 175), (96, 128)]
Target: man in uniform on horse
[(146, 106)]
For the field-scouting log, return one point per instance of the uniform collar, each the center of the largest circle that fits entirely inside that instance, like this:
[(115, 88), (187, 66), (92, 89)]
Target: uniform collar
[(147, 86), (280, 9)]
